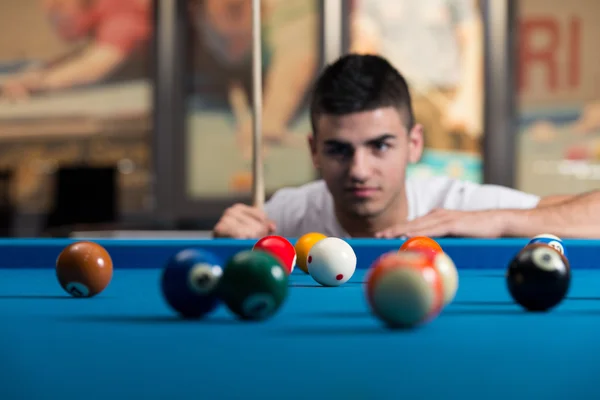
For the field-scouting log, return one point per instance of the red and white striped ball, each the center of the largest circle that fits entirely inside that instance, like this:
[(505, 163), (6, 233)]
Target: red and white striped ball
[(447, 270), (404, 290)]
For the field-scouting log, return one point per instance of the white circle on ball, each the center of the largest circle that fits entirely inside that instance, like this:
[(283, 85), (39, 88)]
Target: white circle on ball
[(258, 305), (277, 273), (332, 262), (77, 289), (547, 259), (203, 277)]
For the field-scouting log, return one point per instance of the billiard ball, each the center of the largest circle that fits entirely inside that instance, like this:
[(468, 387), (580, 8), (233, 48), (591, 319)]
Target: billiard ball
[(422, 242), (254, 285), (447, 270), (84, 269), (189, 281), (538, 277), (303, 246), (404, 290), (550, 240), (331, 261), (279, 247)]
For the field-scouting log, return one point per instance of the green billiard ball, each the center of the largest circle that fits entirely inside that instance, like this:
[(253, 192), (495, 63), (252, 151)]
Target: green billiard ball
[(254, 285)]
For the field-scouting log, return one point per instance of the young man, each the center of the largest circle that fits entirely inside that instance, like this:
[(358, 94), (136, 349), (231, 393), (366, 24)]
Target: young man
[(117, 35), (364, 136)]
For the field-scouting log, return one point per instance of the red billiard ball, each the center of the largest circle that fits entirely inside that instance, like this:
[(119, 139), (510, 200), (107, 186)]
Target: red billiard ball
[(280, 248), (84, 269)]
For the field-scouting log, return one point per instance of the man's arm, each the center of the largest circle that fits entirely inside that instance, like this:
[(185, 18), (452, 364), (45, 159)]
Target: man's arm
[(490, 212), (564, 216), (114, 40), (88, 67), (554, 200), (92, 65)]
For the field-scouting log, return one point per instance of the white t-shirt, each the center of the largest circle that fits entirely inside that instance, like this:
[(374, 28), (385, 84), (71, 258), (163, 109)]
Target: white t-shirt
[(309, 208)]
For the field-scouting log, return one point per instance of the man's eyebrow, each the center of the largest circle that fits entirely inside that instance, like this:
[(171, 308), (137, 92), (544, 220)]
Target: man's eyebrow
[(378, 139), (336, 142), (382, 138)]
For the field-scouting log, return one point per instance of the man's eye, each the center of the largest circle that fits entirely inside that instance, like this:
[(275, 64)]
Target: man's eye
[(381, 146)]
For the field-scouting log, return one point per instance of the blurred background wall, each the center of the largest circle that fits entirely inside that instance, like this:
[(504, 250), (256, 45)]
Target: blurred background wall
[(160, 93)]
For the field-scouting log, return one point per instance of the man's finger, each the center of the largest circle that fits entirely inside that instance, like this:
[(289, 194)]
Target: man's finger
[(439, 230), (242, 211)]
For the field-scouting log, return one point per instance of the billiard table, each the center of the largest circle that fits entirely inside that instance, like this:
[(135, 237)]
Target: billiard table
[(323, 343)]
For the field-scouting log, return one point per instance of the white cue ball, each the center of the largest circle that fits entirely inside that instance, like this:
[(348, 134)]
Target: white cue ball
[(449, 274), (331, 262)]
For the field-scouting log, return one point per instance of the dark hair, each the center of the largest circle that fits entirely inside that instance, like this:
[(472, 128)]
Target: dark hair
[(356, 83)]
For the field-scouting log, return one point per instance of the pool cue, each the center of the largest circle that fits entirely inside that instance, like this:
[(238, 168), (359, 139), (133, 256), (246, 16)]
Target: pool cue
[(258, 184)]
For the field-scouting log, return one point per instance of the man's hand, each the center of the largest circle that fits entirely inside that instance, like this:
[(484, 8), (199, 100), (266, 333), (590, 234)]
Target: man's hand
[(241, 221), (14, 91), (440, 223), (21, 87)]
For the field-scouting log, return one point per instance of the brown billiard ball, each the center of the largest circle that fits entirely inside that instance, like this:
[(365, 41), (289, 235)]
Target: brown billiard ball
[(84, 269), (538, 277)]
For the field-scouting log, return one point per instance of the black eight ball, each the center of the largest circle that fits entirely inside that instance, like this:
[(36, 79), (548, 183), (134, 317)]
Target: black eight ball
[(538, 277)]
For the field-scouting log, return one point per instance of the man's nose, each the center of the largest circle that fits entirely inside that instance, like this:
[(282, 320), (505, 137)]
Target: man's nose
[(359, 167)]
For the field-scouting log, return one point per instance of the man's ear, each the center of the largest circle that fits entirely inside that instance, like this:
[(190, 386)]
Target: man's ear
[(415, 143)]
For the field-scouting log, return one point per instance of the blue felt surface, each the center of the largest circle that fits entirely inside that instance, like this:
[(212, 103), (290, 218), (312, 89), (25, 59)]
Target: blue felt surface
[(324, 344), (466, 253)]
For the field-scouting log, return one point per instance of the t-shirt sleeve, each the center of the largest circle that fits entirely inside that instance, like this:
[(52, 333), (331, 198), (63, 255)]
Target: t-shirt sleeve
[(124, 31), (469, 196)]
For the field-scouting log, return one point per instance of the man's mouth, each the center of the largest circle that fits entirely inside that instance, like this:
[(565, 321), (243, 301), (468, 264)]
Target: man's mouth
[(362, 192)]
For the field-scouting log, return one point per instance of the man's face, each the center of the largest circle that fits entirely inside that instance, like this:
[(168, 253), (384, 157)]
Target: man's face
[(362, 158), (226, 27), (230, 18)]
